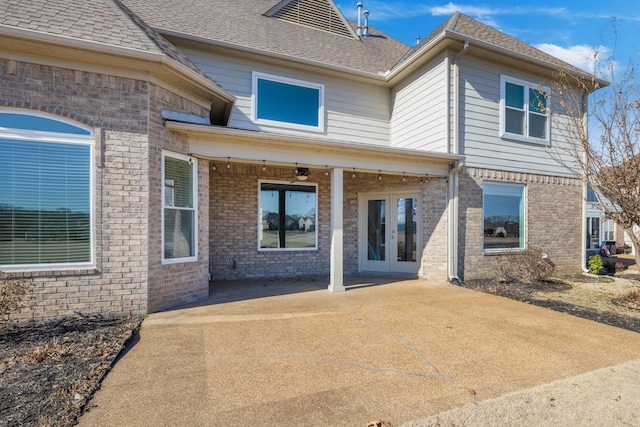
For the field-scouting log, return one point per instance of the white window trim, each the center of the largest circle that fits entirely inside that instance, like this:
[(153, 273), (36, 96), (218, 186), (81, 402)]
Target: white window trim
[(270, 181), (60, 138), (527, 85), (498, 251), (294, 82), (194, 177)]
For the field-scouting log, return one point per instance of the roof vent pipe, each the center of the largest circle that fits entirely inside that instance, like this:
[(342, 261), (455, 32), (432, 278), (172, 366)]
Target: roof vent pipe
[(359, 31), (417, 40), (366, 23)]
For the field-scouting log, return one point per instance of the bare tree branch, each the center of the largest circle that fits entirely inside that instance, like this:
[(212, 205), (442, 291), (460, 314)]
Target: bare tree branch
[(608, 157)]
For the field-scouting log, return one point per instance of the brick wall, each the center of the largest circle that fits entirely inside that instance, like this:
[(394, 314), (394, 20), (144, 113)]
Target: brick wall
[(116, 110), (128, 277), (173, 284), (234, 225), (553, 220), (234, 228)]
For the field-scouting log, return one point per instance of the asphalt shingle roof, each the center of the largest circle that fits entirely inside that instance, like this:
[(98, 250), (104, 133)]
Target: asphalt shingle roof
[(469, 28), (136, 24), (98, 21), (243, 23), (102, 21)]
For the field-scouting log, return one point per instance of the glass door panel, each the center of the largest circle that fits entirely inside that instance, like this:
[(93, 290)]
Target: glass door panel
[(390, 233), (376, 228), (406, 229)]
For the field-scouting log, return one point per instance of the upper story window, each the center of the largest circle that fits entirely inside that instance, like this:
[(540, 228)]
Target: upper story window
[(46, 212), (179, 215), (289, 103), (288, 216), (524, 111)]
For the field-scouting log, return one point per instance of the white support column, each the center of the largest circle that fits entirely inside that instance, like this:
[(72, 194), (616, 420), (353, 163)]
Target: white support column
[(336, 280)]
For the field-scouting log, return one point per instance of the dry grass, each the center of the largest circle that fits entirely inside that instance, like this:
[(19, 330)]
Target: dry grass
[(631, 299)]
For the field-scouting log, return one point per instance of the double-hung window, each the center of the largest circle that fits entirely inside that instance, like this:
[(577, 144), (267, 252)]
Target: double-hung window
[(288, 216), (524, 110), (179, 218), (503, 216), (290, 103), (46, 213)]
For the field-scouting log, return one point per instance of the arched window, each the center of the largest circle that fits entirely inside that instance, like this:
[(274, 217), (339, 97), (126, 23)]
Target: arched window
[(45, 192)]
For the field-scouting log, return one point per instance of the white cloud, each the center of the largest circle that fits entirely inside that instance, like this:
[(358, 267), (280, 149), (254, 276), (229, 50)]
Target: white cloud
[(587, 58), (450, 8), (389, 10)]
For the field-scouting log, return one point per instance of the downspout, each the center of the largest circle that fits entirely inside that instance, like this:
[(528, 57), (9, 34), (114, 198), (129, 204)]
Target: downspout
[(585, 129), (454, 148), (453, 223)]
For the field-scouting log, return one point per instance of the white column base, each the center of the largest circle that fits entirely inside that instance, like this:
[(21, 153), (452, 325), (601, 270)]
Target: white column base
[(336, 280)]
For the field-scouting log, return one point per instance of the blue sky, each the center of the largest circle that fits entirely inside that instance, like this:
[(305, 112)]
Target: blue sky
[(570, 30)]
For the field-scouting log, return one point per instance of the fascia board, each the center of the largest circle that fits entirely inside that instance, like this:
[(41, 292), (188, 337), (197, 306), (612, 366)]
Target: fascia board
[(356, 149), (315, 65), (522, 57), (129, 56)]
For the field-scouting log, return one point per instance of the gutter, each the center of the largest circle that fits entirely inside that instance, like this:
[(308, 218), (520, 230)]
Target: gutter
[(526, 58), (166, 63), (380, 77), (321, 142), (454, 179), (452, 265)]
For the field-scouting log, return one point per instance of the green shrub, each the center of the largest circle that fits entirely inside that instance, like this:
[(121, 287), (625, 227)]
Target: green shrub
[(595, 264), (16, 294)]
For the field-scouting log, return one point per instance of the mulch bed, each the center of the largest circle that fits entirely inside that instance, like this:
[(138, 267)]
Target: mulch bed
[(49, 370), (523, 292)]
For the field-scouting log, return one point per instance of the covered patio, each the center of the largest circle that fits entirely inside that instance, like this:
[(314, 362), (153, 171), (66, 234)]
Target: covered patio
[(288, 353)]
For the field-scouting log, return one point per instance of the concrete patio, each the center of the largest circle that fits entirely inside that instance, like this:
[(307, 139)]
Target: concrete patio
[(290, 353)]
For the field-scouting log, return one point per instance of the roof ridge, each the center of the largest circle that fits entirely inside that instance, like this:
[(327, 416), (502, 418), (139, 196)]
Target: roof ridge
[(447, 25), (161, 43), (128, 20), (518, 46), (451, 23)]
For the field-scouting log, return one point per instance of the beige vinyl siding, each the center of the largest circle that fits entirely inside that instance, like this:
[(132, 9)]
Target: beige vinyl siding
[(419, 110), (480, 139), (354, 112)]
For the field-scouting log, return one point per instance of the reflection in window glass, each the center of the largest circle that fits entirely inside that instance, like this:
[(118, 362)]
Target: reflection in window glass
[(287, 216), (376, 229), (503, 206), (179, 209), (407, 229), (526, 112), (45, 194), (288, 103)]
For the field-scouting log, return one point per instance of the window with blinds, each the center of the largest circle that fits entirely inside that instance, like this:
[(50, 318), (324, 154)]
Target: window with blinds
[(179, 213), (45, 192)]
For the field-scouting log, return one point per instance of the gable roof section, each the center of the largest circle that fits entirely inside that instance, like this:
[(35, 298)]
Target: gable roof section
[(96, 21), (463, 27), (244, 25), (105, 23), (319, 14)]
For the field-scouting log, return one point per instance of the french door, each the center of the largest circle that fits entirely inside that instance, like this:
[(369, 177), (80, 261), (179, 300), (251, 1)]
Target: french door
[(389, 232)]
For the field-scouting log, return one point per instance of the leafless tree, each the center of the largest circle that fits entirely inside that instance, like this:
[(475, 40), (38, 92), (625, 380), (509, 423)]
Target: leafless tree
[(606, 153)]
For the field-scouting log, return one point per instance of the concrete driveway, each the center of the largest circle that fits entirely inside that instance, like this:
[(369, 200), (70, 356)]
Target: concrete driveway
[(289, 353)]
